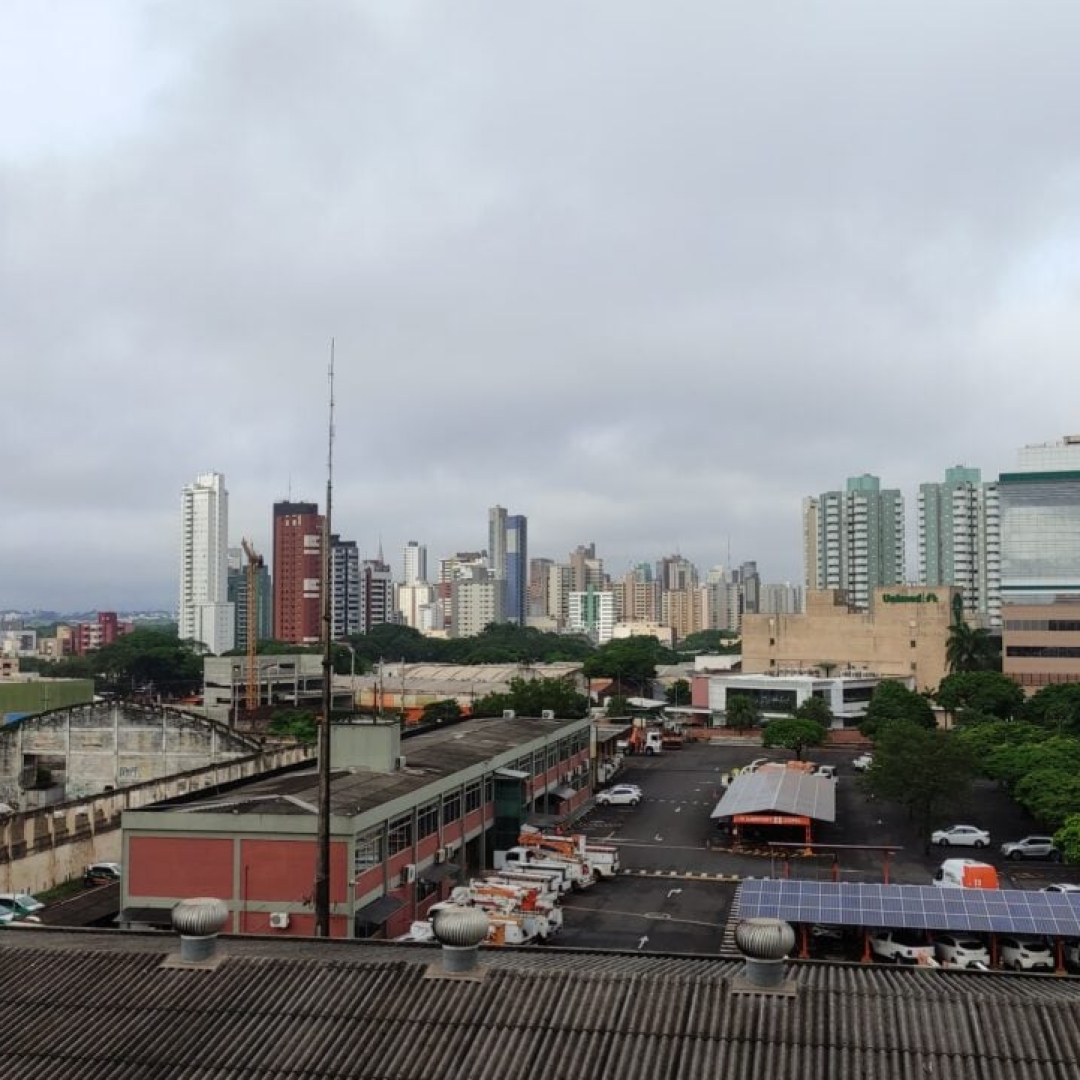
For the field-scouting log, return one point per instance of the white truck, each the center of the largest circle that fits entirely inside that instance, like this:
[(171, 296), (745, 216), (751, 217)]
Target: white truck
[(602, 858), (578, 873), (553, 881)]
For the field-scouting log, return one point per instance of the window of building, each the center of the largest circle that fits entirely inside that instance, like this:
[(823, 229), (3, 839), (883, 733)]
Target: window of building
[(473, 797), (369, 850), (451, 807), (427, 820), (489, 790), (400, 836)]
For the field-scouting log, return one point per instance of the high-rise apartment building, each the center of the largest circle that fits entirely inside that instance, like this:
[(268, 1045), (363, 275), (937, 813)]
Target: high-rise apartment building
[(238, 597), (376, 594), (1040, 564), (539, 587), (414, 563), (960, 540), (860, 539), (593, 613), (298, 572), (204, 613), (476, 601), (344, 588)]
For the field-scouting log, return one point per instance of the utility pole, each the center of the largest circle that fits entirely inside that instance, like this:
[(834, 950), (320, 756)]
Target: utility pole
[(322, 855)]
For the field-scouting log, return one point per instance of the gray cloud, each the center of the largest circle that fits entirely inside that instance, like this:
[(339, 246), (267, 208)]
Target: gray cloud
[(646, 273)]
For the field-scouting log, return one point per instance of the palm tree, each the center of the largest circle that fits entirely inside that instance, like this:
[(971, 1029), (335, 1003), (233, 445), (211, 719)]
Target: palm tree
[(969, 648)]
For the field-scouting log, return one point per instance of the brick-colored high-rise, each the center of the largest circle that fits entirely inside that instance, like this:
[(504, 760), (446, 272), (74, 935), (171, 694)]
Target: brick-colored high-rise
[(298, 572)]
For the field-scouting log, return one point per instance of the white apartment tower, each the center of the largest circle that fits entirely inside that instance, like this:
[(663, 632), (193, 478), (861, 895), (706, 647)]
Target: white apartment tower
[(204, 613), (858, 540), (415, 563), (960, 540)]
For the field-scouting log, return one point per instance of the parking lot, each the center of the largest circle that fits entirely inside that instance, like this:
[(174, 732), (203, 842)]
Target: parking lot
[(678, 883)]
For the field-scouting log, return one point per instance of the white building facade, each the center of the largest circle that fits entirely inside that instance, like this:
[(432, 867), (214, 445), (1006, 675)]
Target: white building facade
[(204, 613)]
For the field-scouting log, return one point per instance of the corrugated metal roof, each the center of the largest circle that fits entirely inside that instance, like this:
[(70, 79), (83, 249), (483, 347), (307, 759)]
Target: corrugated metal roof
[(91, 1006), (779, 791)]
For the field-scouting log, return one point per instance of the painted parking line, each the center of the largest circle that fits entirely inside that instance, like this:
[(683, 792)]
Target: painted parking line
[(680, 875)]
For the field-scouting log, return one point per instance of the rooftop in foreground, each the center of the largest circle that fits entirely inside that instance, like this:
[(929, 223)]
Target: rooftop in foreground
[(91, 1005)]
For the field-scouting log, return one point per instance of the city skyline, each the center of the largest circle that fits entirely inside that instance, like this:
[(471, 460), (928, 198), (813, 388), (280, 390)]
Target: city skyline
[(648, 294)]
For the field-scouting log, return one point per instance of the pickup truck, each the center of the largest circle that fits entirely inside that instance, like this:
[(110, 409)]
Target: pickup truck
[(578, 873)]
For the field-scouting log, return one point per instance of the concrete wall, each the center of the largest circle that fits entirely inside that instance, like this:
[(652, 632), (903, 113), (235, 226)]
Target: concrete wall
[(108, 745), (45, 847)]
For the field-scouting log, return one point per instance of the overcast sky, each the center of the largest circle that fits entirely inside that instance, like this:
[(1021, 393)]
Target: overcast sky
[(647, 273)]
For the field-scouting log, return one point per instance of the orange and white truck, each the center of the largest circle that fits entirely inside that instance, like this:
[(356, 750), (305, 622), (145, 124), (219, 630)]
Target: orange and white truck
[(603, 858)]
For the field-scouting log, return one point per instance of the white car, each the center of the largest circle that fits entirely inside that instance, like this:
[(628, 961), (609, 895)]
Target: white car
[(961, 950), (863, 762), (901, 947), (1025, 953), (961, 836), (620, 795), (23, 902), (1061, 886)]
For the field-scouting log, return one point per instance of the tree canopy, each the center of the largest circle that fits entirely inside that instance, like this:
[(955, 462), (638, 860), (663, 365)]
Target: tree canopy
[(530, 697), (1056, 706), (893, 701), (794, 734), (741, 711), (678, 693), (632, 661), (929, 772), (987, 692), (816, 709)]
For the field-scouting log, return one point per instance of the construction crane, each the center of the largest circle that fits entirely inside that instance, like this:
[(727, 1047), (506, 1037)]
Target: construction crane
[(254, 564)]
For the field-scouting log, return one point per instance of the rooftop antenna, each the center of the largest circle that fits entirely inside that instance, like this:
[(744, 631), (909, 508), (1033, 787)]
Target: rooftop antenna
[(322, 855)]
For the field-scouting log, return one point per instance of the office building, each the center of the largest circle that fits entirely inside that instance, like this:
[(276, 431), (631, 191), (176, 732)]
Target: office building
[(204, 613), (508, 560), (298, 573), (960, 541), (858, 539), (1040, 564), (539, 587)]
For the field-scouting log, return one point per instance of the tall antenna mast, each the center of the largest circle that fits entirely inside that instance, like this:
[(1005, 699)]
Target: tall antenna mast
[(322, 855)]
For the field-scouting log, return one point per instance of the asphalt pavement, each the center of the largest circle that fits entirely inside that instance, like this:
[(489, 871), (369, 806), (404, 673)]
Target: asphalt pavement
[(678, 881)]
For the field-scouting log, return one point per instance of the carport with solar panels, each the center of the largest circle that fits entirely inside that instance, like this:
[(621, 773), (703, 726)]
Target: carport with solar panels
[(913, 907)]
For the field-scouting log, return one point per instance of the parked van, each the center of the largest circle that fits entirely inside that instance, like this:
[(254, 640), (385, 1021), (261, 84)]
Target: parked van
[(966, 874)]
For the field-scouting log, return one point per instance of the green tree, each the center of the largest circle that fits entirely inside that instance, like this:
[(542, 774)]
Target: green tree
[(794, 734), (617, 707), (741, 712), (1056, 706), (815, 709), (928, 772), (149, 662), (893, 701), (971, 648), (987, 692), (532, 697), (678, 693), (709, 641), (631, 661), (296, 724), (1049, 794), (1067, 838), (439, 712)]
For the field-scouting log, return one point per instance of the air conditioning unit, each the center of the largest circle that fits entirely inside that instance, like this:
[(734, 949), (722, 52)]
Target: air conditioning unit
[(509, 714), (440, 855), (279, 920), (408, 873), (547, 714)]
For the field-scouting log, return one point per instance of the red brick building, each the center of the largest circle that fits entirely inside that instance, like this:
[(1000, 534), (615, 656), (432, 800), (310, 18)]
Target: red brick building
[(298, 572), (409, 818)]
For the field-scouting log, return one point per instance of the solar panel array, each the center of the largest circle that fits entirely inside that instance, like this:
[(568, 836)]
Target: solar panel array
[(915, 906)]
